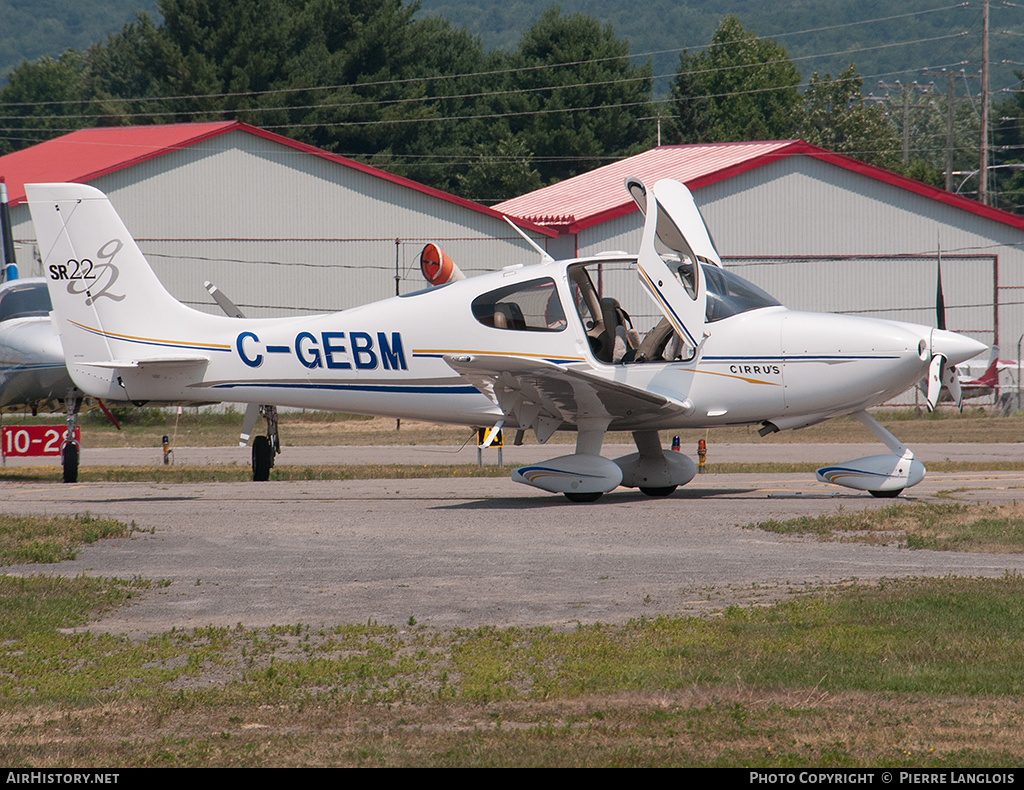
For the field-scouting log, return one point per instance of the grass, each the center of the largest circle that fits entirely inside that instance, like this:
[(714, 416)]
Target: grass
[(917, 674), (34, 539), (937, 526)]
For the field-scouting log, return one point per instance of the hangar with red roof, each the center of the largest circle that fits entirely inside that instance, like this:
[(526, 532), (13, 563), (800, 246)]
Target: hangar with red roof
[(280, 226)]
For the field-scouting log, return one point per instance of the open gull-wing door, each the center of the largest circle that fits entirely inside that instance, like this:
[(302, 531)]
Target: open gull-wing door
[(686, 216), (675, 239)]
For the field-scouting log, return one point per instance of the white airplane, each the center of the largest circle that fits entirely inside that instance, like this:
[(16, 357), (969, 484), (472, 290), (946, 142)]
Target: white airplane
[(527, 347)]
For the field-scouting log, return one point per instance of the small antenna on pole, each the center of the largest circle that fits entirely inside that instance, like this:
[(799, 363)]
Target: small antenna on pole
[(544, 257)]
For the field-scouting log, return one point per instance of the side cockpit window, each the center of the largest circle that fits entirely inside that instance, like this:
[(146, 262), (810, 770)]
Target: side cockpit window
[(526, 307), (24, 301)]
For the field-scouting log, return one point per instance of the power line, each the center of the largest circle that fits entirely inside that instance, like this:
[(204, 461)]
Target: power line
[(475, 95)]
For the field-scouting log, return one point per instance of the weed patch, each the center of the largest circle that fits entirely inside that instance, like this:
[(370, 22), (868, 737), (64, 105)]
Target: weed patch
[(939, 526)]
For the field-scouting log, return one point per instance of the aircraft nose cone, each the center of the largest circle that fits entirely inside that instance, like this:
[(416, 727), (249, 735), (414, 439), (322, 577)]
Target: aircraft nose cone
[(954, 347)]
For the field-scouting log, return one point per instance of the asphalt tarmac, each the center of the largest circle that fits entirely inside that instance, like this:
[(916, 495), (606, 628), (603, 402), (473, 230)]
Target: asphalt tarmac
[(469, 552)]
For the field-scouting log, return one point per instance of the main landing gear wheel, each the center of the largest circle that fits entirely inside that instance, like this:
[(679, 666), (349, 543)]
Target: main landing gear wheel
[(662, 491), (590, 496), (69, 451), (262, 459), (69, 462), (886, 494)]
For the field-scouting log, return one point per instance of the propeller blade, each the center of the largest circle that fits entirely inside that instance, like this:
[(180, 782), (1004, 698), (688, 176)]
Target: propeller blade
[(935, 368), (951, 381)]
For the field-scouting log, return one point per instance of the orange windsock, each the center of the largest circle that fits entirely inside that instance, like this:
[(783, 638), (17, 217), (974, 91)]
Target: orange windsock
[(438, 267)]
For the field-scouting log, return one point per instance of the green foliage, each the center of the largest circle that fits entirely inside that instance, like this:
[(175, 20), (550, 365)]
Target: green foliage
[(44, 100), (1008, 145), (28, 539), (500, 171), (745, 87), (835, 116), (577, 100)]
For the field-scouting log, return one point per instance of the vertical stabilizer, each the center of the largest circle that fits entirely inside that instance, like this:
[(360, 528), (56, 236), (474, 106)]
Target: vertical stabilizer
[(10, 264), (109, 306)]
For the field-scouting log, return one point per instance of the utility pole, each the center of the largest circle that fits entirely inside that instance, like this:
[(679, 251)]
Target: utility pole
[(950, 107), (983, 155), (905, 96)]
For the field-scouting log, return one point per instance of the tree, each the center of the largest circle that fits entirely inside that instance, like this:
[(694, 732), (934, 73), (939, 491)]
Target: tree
[(834, 115), (575, 98), (1008, 151), (366, 79), (42, 99), (742, 87), (500, 171), (359, 77)]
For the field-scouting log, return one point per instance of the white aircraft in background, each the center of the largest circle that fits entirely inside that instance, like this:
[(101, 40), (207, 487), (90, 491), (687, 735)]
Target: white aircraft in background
[(527, 348), (33, 375)]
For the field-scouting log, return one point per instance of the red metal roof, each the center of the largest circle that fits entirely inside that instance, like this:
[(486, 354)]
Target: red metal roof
[(86, 154), (597, 196)]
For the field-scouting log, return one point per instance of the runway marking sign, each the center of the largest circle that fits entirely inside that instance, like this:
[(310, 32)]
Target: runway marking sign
[(35, 440)]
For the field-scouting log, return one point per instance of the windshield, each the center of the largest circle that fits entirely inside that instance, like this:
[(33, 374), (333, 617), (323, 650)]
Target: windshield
[(728, 293), (24, 300)]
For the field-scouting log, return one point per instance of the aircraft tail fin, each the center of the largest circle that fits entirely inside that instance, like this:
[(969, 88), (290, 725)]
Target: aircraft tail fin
[(10, 264), (990, 378), (109, 305)]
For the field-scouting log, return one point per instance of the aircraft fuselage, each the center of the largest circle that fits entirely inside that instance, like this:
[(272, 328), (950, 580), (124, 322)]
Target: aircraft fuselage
[(769, 364)]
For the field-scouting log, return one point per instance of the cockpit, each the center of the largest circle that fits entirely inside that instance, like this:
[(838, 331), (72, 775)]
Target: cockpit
[(612, 305), (24, 300), (612, 322)]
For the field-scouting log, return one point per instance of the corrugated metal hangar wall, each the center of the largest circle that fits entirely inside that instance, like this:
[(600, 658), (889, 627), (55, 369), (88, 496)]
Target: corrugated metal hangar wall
[(281, 230)]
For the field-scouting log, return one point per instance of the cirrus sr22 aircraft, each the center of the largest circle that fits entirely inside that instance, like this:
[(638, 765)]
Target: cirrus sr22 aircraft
[(528, 348)]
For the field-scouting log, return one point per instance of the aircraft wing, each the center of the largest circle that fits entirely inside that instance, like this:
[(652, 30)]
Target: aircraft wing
[(542, 395)]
